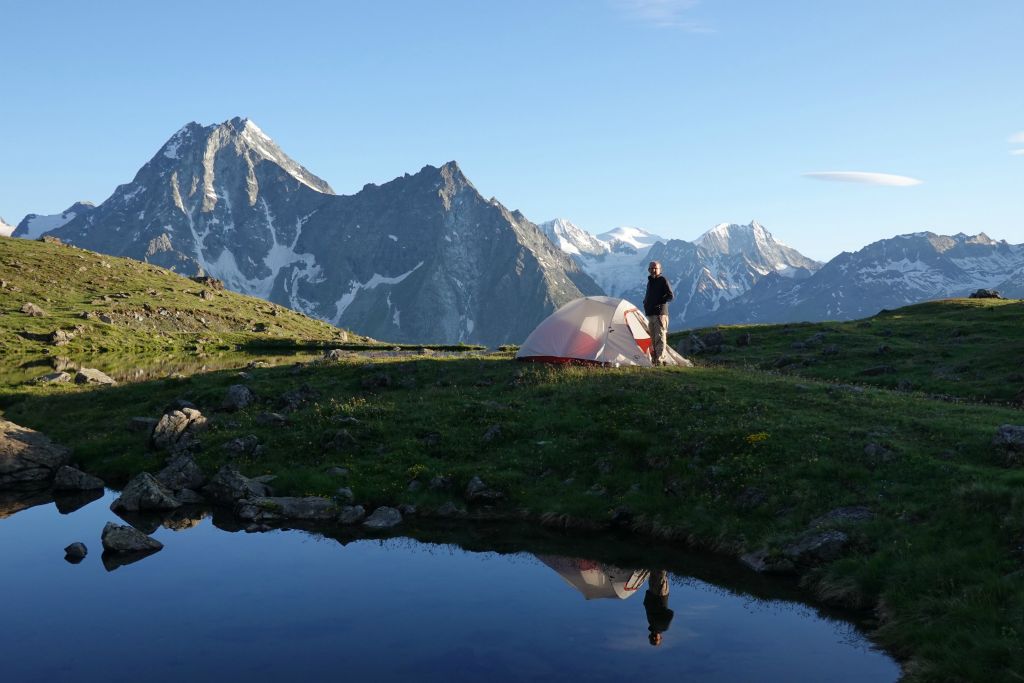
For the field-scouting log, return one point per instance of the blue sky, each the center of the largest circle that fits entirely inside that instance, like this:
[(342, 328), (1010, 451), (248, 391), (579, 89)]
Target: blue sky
[(671, 115)]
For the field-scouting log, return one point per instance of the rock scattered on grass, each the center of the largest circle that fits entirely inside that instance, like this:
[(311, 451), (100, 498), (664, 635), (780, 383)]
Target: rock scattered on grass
[(238, 396), (242, 445), (177, 430), (54, 378), (351, 514), (33, 311), (271, 420), (345, 495), (229, 485), (853, 514), (478, 491), (93, 376), (181, 472)]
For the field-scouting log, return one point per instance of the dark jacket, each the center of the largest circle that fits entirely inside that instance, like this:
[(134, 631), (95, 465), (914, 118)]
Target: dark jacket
[(659, 293)]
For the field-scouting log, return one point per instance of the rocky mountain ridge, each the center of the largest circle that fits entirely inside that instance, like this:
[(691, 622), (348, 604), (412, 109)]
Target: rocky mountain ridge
[(422, 258)]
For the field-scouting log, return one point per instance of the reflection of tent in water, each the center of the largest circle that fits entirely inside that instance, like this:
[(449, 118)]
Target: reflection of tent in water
[(596, 580)]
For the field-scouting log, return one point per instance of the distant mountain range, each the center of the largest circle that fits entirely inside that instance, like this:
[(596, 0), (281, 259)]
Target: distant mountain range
[(425, 258)]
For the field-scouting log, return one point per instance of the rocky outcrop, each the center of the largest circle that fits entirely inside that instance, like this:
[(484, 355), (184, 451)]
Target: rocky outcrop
[(237, 397), (71, 479), (182, 472), (27, 456)]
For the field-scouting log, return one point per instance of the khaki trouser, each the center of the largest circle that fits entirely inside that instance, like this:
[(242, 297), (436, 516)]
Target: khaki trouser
[(658, 325)]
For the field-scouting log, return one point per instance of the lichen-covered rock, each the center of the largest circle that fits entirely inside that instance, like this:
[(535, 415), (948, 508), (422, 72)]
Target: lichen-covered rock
[(54, 378), (125, 539), (478, 491), (28, 456), (383, 518), (143, 493), (70, 479)]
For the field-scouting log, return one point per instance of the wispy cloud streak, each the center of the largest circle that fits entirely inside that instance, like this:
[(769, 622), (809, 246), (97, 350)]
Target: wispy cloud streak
[(664, 13), (865, 178), (1017, 138)]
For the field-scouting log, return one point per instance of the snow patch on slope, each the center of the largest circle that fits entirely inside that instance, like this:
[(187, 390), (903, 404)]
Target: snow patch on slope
[(375, 281)]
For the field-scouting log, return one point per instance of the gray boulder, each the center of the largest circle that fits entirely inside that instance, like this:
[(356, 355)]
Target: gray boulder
[(309, 508), (178, 429), (242, 445), (125, 539), (383, 518), (93, 376), (71, 479), (27, 456), (853, 514), (229, 486), (345, 495), (351, 514), (238, 397), (144, 492), (181, 473)]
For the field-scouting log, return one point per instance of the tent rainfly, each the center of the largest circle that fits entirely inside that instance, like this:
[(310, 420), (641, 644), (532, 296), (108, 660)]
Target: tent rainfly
[(596, 330)]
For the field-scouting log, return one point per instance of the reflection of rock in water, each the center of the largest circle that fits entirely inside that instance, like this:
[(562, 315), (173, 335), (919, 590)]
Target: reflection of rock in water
[(183, 519), (112, 561), (595, 580), (13, 501), (146, 523), (70, 501)]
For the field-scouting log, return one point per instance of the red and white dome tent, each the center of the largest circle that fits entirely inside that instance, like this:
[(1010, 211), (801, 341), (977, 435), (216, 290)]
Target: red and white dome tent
[(596, 330)]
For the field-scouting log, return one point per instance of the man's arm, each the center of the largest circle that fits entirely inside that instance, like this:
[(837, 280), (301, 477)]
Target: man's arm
[(668, 292)]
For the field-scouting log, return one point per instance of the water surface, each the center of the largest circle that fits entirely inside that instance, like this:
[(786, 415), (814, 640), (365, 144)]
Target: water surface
[(292, 605)]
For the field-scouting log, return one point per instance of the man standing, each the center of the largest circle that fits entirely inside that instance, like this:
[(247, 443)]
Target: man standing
[(659, 293)]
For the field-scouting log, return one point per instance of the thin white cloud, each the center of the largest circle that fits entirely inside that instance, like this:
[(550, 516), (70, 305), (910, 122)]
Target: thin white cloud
[(664, 13), (1017, 152), (1017, 138), (866, 178)]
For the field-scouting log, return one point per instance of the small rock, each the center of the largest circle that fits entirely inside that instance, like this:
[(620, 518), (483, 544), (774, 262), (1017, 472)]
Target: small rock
[(596, 490), (351, 514), (60, 338), (492, 433), (345, 495), (71, 479), (296, 398), (33, 311), (414, 486), (1010, 437), (383, 518), (751, 498), (75, 552), (763, 562), (830, 350), (145, 492), (177, 430), (340, 440), (440, 483), (338, 471), (126, 539), (54, 378), (104, 318), (816, 548), (93, 376), (877, 453), (238, 396), (407, 509)]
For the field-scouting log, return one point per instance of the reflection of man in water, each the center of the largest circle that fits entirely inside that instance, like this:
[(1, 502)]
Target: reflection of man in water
[(659, 616)]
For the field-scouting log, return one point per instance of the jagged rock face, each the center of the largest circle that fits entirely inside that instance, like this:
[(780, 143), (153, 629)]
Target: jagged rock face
[(886, 274), (423, 258)]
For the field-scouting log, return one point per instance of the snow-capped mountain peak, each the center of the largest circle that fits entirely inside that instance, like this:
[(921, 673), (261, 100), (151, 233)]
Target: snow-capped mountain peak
[(5, 228), (572, 239), (636, 238)]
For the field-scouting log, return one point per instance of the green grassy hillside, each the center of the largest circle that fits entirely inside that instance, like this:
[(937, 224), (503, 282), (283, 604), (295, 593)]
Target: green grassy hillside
[(149, 309), (969, 349)]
